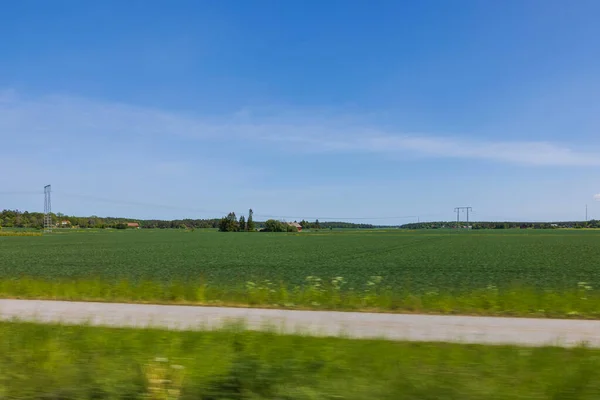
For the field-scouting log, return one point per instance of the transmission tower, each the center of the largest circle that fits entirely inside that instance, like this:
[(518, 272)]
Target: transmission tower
[(457, 210), (47, 209)]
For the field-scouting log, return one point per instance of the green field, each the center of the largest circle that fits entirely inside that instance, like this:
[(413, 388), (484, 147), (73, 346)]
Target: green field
[(420, 260), (554, 273), (78, 362)]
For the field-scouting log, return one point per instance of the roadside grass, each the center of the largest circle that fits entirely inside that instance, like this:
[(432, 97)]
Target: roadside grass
[(82, 362), (581, 302), (19, 233)]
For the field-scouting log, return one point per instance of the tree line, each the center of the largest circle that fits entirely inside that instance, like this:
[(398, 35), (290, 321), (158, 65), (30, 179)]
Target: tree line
[(503, 225), (335, 225), (35, 220), (230, 223)]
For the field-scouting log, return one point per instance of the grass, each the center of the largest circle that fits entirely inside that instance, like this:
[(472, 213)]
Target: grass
[(80, 362), (581, 302), (6, 233)]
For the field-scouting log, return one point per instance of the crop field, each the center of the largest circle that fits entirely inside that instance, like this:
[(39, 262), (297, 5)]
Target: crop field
[(554, 273), (421, 260)]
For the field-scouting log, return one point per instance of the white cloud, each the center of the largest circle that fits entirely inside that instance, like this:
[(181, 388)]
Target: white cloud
[(76, 122), (597, 197), (525, 153)]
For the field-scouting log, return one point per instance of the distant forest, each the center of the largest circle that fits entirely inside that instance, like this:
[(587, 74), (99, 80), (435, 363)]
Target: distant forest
[(504, 225), (35, 220)]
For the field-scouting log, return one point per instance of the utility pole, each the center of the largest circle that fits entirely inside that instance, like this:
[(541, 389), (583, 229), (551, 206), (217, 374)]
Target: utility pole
[(47, 209), (457, 210)]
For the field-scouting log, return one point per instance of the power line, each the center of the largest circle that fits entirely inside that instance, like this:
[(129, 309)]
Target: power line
[(20, 193), (141, 204), (221, 212), (342, 218)]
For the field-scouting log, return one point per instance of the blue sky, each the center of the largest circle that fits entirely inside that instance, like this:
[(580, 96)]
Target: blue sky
[(302, 109)]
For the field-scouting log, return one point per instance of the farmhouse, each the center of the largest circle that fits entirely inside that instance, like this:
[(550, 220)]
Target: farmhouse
[(297, 225), (133, 225)]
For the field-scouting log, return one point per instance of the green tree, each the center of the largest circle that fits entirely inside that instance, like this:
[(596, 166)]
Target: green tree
[(272, 225), (229, 223), (250, 226), (242, 223)]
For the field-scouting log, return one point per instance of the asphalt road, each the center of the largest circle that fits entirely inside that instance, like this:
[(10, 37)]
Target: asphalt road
[(484, 330)]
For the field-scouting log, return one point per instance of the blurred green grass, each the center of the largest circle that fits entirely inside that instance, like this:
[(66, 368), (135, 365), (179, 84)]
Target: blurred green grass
[(81, 362)]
